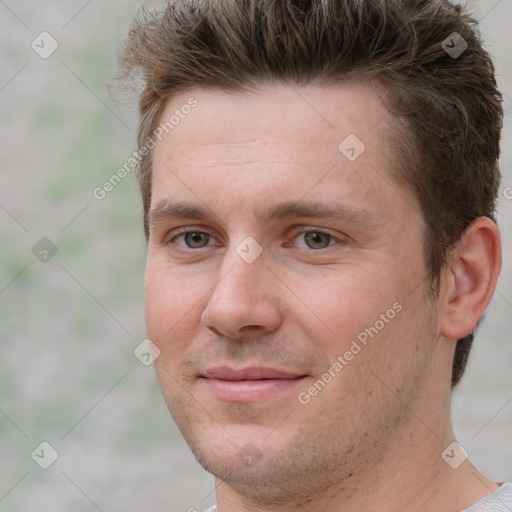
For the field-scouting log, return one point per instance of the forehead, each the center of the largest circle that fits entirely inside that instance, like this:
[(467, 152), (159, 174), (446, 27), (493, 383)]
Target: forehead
[(280, 141), (288, 116)]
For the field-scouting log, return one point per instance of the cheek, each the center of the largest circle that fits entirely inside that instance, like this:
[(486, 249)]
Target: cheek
[(345, 306), (172, 307)]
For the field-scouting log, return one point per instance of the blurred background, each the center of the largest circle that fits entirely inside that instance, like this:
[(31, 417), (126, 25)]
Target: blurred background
[(71, 282)]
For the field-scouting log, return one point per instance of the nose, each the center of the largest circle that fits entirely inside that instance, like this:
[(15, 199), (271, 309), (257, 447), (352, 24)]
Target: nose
[(245, 299)]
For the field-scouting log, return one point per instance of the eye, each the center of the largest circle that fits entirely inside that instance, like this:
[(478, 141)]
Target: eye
[(314, 240), (192, 240)]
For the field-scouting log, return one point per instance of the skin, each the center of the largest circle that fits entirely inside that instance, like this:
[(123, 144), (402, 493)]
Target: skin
[(372, 438)]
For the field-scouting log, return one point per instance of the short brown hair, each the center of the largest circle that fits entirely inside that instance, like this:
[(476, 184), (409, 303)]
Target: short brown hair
[(446, 107)]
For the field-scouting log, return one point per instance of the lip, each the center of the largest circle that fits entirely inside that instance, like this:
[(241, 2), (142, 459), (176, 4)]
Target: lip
[(249, 373), (249, 384)]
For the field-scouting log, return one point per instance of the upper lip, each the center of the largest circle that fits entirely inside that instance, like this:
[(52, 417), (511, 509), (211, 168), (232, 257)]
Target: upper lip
[(249, 373)]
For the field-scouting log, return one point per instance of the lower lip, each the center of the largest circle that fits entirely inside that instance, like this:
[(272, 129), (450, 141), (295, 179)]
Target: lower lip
[(249, 390)]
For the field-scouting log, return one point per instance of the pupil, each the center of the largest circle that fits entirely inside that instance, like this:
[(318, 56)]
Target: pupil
[(317, 240), (196, 239)]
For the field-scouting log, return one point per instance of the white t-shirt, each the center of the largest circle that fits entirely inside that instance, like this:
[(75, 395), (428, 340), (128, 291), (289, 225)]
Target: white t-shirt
[(498, 501)]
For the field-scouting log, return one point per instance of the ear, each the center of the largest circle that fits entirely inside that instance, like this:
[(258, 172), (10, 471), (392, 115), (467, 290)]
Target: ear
[(469, 278)]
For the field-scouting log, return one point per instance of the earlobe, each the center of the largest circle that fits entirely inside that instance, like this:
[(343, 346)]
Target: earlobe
[(469, 278)]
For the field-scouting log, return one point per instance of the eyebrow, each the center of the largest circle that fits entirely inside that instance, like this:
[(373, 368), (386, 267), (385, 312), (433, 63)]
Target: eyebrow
[(165, 210), (323, 210)]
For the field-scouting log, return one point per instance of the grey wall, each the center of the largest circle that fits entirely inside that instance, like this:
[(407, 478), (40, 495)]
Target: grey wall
[(69, 325)]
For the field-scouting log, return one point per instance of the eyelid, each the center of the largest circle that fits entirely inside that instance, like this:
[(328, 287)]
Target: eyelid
[(307, 229), (300, 230), (175, 233)]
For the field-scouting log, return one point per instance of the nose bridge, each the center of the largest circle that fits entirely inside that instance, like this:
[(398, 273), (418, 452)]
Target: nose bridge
[(244, 294), (243, 271)]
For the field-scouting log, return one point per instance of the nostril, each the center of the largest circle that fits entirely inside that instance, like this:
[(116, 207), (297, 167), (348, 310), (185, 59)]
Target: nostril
[(215, 331)]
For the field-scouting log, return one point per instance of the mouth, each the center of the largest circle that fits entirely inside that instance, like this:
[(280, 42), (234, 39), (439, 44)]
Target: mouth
[(249, 384)]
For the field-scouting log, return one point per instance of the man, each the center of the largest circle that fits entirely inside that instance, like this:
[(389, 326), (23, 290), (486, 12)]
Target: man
[(319, 180)]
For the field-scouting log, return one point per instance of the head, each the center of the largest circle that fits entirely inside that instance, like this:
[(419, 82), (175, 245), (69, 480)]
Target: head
[(282, 97)]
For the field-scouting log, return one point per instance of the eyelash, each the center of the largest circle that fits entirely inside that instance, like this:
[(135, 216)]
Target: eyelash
[(297, 234)]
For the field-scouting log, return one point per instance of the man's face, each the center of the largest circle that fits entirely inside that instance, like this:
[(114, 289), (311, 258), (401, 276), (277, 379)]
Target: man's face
[(274, 254)]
